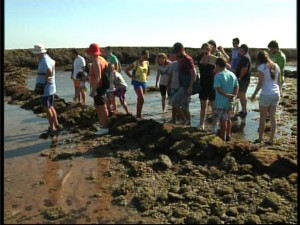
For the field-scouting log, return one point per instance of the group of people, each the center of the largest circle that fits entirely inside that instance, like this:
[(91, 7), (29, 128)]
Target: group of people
[(223, 79)]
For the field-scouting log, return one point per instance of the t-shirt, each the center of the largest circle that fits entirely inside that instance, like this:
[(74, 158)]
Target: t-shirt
[(206, 71), (228, 82), (270, 86), (78, 65), (118, 81), (185, 65), (175, 75), (141, 73), (164, 72), (235, 58), (244, 62), (280, 59), (45, 64)]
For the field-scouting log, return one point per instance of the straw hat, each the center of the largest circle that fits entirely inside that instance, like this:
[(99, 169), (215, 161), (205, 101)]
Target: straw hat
[(94, 49), (38, 49)]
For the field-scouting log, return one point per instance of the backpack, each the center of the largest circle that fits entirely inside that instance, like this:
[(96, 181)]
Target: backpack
[(105, 79)]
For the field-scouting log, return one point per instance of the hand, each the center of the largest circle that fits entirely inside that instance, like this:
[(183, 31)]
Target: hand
[(252, 98)]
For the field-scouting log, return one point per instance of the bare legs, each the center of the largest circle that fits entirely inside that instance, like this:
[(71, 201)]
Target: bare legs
[(243, 100), (140, 92), (225, 129), (52, 117), (262, 122), (203, 112), (102, 114)]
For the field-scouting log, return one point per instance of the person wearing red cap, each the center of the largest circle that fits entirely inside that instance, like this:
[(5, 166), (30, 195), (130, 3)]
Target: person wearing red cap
[(99, 65)]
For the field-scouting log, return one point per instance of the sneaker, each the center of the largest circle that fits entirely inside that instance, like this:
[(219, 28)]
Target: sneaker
[(102, 131)]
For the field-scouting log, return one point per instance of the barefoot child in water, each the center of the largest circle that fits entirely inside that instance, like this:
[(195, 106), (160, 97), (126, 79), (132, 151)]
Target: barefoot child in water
[(120, 87)]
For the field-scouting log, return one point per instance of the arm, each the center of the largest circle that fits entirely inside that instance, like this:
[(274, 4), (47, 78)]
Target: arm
[(226, 56), (244, 71), (193, 79), (258, 86), (227, 95), (129, 68), (157, 79), (97, 73)]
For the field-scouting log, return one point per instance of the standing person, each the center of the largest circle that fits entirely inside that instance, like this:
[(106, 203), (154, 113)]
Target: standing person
[(120, 87), (139, 79), (243, 73), (112, 59), (162, 77), (235, 54), (173, 84), (78, 66), (269, 81), (97, 70), (226, 86), (278, 57), (187, 77), (46, 80), (207, 66), (83, 77)]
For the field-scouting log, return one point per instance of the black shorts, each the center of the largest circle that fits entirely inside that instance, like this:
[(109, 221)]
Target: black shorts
[(163, 90), (99, 99), (243, 86), (207, 93)]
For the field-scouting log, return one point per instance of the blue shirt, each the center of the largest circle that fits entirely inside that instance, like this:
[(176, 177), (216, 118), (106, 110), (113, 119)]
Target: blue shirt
[(228, 82), (235, 58), (45, 64)]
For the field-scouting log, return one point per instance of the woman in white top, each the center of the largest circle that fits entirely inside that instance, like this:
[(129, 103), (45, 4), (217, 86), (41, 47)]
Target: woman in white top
[(162, 77), (269, 83)]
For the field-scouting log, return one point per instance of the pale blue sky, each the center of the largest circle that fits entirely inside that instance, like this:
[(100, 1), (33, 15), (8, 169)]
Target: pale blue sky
[(78, 23)]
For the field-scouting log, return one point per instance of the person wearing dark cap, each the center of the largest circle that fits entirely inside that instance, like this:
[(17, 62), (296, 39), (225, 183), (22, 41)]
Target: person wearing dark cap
[(141, 71), (99, 65), (187, 77), (243, 73), (278, 57)]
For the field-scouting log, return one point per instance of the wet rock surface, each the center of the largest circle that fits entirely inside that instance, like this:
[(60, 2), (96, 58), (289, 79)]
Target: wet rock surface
[(171, 173)]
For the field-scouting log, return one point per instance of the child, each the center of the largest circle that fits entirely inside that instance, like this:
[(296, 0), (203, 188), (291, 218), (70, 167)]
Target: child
[(83, 77), (119, 88)]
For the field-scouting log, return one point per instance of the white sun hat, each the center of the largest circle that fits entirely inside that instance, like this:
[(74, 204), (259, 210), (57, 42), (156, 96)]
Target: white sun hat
[(38, 49)]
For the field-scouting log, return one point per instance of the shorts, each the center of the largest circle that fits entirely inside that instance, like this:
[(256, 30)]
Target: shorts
[(163, 90), (209, 94), (136, 84), (77, 83), (243, 86), (181, 99), (268, 100), (99, 99), (222, 114), (120, 93), (48, 101)]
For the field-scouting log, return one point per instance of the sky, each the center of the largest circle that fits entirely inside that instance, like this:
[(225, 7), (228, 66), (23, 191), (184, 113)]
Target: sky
[(148, 23)]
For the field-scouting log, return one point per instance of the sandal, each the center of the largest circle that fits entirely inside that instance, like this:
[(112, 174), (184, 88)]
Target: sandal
[(257, 141), (268, 143)]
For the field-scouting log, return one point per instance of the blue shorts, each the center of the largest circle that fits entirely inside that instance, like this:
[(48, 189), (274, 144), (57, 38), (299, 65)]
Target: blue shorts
[(181, 99), (137, 84), (47, 101), (268, 100)]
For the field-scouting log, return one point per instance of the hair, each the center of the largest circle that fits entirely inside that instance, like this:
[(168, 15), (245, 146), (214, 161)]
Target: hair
[(145, 53), (263, 58), (206, 46), (213, 43), (161, 55), (237, 40), (244, 47), (75, 51), (273, 44), (221, 62)]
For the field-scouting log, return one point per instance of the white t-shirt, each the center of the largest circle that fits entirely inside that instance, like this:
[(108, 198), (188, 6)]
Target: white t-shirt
[(270, 86), (118, 81), (79, 62)]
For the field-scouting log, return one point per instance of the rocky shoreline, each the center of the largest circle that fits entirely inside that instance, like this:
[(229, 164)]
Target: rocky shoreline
[(176, 174)]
